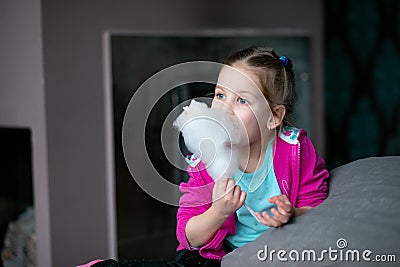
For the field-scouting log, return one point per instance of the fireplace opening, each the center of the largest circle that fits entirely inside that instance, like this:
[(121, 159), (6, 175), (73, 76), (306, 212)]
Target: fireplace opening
[(17, 226)]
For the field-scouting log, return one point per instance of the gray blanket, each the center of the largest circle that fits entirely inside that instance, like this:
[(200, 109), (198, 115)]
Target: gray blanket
[(359, 220)]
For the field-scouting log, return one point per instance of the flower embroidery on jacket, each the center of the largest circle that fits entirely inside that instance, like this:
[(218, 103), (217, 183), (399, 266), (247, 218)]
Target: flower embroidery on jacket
[(290, 134), (192, 160)]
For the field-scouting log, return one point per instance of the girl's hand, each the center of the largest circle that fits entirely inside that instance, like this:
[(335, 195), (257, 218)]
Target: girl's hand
[(227, 197), (281, 216)]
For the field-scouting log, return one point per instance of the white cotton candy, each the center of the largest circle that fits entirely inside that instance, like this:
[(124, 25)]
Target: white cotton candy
[(209, 134)]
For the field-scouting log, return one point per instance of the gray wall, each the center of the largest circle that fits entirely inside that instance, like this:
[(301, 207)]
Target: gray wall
[(22, 102), (77, 107)]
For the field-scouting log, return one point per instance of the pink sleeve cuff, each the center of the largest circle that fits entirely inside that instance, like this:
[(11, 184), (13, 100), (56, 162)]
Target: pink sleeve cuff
[(89, 264)]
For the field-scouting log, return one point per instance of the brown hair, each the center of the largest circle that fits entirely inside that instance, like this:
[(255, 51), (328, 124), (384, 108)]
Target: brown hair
[(277, 81)]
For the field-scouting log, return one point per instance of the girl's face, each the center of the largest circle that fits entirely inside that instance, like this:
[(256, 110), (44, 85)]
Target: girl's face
[(237, 92)]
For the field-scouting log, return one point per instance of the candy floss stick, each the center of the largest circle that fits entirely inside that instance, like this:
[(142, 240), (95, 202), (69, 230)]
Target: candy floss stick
[(210, 134)]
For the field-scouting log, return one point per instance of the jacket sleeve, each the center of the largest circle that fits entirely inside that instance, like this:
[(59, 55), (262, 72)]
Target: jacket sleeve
[(313, 184), (195, 200)]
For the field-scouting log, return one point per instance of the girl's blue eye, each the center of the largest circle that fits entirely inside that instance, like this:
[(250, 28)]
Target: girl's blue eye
[(220, 96), (243, 101)]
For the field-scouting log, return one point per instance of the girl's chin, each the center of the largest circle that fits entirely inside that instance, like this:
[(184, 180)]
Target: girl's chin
[(238, 145), (233, 145)]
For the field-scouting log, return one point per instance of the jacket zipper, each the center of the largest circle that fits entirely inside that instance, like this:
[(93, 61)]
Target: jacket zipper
[(298, 168)]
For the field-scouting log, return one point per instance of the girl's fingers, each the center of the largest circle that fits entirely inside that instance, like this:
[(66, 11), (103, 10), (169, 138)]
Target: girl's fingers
[(242, 197), (219, 189), (239, 196), (271, 220), (236, 192), (230, 185), (279, 217), (266, 219), (279, 198), (283, 212), (283, 203), (284, 207), (261, 219), (272, 199)]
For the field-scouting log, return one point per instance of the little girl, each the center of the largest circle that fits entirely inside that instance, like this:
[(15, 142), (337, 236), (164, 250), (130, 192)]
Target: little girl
[(277, 180), (296, 182)]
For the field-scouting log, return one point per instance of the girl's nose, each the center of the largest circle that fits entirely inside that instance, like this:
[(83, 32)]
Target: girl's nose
[(227, 107)]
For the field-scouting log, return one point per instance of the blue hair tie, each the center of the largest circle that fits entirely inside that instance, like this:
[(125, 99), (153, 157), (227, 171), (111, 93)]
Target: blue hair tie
[(284, 60)]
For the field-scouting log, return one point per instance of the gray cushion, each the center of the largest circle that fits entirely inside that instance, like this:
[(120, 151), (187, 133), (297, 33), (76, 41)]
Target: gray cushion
[(363, 208)]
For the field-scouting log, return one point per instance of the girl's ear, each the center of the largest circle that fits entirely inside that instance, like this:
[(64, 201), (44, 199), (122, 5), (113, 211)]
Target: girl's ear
[(278, 113)]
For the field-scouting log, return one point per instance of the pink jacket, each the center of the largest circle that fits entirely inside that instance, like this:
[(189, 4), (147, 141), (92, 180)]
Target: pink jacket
[(300, 173)]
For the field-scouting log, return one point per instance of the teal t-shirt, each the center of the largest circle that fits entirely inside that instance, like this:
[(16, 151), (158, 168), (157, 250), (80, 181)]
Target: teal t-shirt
[(259, 186)]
